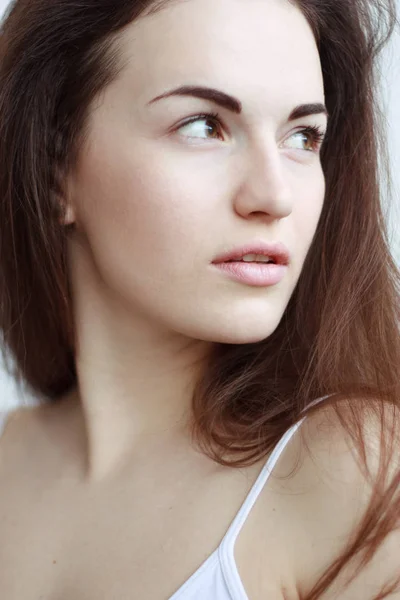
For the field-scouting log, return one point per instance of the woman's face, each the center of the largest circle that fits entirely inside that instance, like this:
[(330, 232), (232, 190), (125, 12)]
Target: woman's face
[(156, 200)]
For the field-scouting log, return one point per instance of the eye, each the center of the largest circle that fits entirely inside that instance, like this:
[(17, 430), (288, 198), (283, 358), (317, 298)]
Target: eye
[(195, 124), (309, 139)]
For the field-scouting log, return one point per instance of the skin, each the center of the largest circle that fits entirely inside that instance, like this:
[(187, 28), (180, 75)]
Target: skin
[(154, 203)]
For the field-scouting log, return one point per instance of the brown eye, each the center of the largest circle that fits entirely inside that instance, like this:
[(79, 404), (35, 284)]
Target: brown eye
[(212, 127), (308, 139)]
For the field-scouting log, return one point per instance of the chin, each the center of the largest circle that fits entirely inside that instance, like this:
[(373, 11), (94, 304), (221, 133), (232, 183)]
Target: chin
[(247, 331), (244, 338)]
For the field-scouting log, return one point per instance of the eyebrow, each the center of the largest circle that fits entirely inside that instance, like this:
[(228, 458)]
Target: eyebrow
[(233, 104)]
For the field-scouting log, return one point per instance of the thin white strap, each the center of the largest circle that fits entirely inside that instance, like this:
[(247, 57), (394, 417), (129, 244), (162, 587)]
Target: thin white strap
[(263, 477), (227, 546), (255, 491), (318, 401)]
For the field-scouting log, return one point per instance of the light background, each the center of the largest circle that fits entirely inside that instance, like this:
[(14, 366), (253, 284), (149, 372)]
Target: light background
[(390, 89)]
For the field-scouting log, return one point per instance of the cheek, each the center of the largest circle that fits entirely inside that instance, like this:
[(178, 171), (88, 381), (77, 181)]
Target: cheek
[(135, 206), (306, 215)]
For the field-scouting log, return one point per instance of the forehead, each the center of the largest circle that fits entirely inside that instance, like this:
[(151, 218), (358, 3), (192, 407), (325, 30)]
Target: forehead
[(261, 48)]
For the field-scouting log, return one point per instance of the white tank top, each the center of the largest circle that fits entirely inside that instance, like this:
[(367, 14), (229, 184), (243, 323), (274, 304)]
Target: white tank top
[(218, 577)]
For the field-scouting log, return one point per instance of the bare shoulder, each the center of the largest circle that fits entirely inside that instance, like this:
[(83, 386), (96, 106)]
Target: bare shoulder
[(16, 429), (32, 436), (37, 416), (333, 486), (10, 416)]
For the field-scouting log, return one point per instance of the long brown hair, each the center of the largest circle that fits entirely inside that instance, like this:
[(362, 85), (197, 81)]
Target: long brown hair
[(339, 336)]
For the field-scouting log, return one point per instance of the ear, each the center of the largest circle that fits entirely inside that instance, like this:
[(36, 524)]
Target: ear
[(64, 198), (68, 217)]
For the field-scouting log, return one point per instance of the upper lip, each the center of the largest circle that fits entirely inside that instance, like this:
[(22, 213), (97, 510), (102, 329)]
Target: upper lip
[(275, 250)]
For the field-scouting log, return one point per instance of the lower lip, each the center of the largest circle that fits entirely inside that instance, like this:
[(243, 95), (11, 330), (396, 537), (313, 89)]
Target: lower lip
[(255, 274)]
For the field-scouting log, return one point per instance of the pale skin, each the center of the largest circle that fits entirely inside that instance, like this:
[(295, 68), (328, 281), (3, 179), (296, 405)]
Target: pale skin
[(106, 487)]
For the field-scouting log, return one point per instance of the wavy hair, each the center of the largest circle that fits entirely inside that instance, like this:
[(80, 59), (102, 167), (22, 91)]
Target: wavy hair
[(340, 334)]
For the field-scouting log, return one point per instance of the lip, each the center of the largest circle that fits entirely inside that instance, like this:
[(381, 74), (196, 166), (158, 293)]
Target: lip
[(276, 250), (254, 274)]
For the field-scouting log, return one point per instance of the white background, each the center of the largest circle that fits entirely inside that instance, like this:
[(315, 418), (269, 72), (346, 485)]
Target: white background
[(390, 97)]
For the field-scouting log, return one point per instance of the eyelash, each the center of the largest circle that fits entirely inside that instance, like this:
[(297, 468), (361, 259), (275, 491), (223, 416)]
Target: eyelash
[(316, 133)]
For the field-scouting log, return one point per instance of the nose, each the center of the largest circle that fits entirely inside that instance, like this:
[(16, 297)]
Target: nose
[(265, 191)]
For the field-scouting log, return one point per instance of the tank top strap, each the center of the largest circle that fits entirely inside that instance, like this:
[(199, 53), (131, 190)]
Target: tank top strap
[(241, 516), (258, 486)]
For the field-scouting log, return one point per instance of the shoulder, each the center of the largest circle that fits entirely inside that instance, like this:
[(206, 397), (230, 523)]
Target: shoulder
[(15, 424), (341, 497), (5, 417)]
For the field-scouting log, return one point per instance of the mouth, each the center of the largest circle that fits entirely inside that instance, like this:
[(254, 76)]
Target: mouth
[(257, 252), (255, 274), (253, 259)]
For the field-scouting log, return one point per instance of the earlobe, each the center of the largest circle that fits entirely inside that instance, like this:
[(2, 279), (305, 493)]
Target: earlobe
[(66, 209), (69, 215)]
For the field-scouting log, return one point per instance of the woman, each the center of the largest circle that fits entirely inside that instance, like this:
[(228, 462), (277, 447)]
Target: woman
[(211, 427)]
